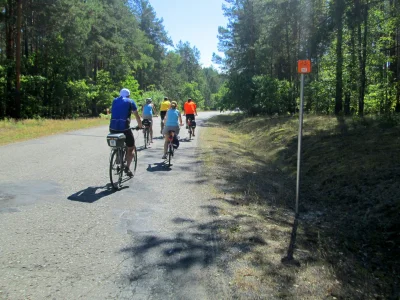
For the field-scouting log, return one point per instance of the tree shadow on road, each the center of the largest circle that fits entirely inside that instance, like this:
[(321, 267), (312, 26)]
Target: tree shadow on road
[(196, 245), (158, 167)]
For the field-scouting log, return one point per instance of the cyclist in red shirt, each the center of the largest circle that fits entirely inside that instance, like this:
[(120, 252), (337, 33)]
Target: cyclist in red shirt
[(189, 110)]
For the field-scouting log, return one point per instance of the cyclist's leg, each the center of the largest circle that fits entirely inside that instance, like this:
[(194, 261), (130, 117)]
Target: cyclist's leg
[(150, 118), (151, 132), (166, 140), (162, 115), (193, 128), (130, 143)]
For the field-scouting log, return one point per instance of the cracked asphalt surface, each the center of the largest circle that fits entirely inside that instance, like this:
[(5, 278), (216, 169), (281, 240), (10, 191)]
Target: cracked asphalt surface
[(65, 235)]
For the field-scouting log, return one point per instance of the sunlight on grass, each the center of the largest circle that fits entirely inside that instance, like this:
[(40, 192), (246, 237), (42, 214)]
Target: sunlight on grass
[(12, 131), (349, 176)]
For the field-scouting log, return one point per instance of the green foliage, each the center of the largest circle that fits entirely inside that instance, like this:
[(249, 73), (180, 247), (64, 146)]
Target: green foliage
[(352, 46), (156, 96), (77, 55), (133, 85), (190, 90)]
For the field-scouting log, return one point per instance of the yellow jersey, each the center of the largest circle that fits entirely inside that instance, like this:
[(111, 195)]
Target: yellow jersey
[(165, 105)]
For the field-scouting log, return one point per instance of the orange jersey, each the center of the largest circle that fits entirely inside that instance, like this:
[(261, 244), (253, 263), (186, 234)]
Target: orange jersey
[(190, 108)]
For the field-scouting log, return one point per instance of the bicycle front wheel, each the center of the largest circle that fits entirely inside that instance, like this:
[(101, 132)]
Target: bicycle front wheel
[(145, 138), (134, 161), (116, 162)]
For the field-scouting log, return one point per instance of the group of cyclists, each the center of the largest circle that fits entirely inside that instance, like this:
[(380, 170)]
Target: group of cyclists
[(171, 119)]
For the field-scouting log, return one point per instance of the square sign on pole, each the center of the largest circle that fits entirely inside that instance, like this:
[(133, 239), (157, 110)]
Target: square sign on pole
[(304, 66)]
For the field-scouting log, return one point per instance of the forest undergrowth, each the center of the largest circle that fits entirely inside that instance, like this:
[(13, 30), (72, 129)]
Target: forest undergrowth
[(348, 237)]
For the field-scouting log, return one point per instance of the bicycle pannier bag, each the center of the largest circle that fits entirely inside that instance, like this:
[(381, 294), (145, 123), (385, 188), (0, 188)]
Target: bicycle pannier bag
[(116, 139), (175, 142), (146, 122)]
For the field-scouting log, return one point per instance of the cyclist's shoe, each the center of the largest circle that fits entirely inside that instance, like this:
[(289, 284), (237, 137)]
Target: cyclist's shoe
[(128, 172), (164, 156), (193, 134), (187, 127)]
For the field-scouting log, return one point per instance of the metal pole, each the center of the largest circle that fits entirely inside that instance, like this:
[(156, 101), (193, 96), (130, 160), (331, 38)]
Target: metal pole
[(299, 143)]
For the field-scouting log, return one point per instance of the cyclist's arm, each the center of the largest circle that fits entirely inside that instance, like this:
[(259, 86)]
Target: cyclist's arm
[(136, 114), (154, 109), (138, 120), (180, 120), (195, 109)]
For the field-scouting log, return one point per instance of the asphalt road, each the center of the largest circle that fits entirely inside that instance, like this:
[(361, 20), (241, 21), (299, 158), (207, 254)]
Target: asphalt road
[(65, 235)]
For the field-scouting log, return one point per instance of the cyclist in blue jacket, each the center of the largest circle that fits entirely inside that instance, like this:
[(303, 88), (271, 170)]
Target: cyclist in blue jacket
[(148, 111), (172, 121), (121, 110)]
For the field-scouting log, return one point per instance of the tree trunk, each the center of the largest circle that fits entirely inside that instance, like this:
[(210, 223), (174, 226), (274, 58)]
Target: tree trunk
[(396, 55), (362, 41), (10, 56), (339, 57), (18, 63)]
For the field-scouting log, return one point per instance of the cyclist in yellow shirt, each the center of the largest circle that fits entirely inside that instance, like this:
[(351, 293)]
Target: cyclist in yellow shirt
[(165, 105)]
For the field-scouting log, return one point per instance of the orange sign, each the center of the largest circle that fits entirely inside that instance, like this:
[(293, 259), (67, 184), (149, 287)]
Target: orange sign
[(304, 66)]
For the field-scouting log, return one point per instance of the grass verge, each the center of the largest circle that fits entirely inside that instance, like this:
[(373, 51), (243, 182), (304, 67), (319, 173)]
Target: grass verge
[(348, 240), (13, 131)]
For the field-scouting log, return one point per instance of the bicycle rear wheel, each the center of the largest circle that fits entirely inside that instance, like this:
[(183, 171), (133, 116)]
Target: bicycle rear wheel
[(134, 161), (116, 168), (145, 137)]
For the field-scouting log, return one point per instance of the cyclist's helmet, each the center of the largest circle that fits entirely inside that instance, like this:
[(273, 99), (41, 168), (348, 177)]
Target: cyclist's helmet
[(174, 104), (149, 100), (124, 93), (189, 99), (165, 98)]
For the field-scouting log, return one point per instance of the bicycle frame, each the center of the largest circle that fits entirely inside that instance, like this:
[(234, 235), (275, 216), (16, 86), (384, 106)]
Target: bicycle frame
[(120, 162), (146, 134), (189, 123)]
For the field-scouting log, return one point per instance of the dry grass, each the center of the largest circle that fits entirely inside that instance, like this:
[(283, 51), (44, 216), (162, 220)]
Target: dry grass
[(12, 131), (349, 177)]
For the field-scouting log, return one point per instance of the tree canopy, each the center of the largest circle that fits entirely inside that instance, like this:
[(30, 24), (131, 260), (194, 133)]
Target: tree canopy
[(69, 58), (354, 46)]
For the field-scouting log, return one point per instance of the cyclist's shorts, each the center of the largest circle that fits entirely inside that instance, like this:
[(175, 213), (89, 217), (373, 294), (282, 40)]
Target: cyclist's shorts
[(162, 114), (148, 117), (130, 140), (191, 116), (173, 128)]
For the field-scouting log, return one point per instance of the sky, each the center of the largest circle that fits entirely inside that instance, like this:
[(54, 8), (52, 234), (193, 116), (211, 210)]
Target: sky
[(194, 21)]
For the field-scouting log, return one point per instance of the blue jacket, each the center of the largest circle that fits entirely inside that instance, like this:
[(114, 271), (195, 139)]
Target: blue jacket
[(121, 113)]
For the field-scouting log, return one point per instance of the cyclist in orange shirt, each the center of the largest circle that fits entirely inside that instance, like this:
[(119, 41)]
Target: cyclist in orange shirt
[(189, 110)]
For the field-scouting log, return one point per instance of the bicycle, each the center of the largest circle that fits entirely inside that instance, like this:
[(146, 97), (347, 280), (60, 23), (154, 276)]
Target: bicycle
[(171, 148), (146, 132), (118, 157), (191, 126)]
